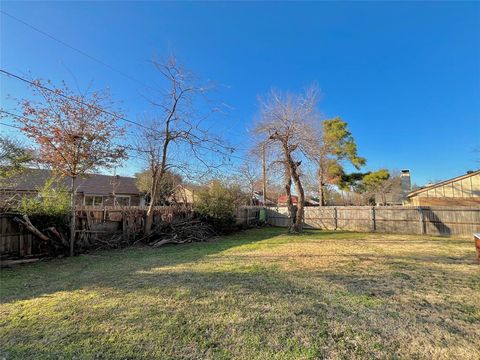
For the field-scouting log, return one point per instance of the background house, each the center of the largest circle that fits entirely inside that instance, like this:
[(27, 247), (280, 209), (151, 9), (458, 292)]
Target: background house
[(401, 186), (282, 200), (184, 194), (92, 190), (260, 201), (462, 190)]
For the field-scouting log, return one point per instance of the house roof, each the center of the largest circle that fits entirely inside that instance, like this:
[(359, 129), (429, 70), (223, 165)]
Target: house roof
[(445, 182), (284, 198), (259, 197), (34, 179)]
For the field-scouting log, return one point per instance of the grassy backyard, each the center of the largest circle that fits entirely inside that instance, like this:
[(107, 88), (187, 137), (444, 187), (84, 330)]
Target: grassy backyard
[(260, 294)]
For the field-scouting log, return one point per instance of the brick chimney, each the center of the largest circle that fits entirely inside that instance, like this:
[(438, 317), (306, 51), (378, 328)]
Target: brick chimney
[(405, 182)]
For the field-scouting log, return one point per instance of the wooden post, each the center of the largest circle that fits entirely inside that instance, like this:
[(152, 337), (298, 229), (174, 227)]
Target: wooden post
[(422, 221), (372, 217), (335, 217)]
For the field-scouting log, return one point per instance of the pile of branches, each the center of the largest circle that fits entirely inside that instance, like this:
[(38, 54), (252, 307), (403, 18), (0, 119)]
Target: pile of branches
[(181, 231), (107, 241)]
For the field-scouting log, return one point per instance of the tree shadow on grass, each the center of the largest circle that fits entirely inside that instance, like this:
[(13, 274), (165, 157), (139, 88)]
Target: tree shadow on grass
[(112, 267), (282, 308)]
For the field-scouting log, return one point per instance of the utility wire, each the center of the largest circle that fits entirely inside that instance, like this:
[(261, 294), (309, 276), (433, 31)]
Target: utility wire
[(127, 147), (43, 87), (76, 49), (18, 77), (10, 125), (91, 57)]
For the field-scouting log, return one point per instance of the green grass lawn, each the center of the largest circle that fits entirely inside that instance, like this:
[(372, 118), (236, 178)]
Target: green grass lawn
[(259, 294)]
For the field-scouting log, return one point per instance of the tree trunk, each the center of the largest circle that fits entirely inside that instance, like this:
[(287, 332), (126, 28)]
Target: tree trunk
[(320, 193), (151, 206), (288, 193), (322, 201), (73, 195), (298, 224)]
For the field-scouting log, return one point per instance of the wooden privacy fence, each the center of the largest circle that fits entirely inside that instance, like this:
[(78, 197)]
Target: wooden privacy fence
[(14, 240), (387, 219), (247, 215), (93, 223), (126, 221)]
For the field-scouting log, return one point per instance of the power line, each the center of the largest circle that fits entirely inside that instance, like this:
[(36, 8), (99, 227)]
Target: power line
[(99, 109), (128, 147), (9, 125), (18, 77), (91, 57), (76, 49)]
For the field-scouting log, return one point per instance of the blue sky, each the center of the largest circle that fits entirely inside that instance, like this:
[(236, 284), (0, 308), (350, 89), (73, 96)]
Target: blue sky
[(405, 76)]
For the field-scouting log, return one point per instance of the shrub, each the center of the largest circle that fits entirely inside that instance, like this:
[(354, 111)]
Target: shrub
[(216, 205), (50, 208), (53, 199)]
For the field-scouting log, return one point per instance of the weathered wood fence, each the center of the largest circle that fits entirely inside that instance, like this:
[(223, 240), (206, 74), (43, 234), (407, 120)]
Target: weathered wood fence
[(14, 240), (455, 221), (458, 221), (92, 222), (247, 215)]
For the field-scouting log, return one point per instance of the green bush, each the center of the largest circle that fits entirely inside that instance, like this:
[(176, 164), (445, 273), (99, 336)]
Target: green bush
[(216, 205), (53, 200)]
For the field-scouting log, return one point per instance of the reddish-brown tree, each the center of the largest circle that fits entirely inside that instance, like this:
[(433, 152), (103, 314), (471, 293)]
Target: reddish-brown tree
[(75, 133)]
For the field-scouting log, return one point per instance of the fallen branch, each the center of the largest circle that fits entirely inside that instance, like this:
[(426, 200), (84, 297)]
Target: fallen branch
[(58, 235), (30, 227)]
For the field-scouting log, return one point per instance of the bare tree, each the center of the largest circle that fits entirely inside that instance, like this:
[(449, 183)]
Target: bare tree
[(249, 175), (286, 120), (177, 127)]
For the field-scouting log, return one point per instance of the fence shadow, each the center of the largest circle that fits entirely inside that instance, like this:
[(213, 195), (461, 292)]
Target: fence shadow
[(432, 218), (421, 220)]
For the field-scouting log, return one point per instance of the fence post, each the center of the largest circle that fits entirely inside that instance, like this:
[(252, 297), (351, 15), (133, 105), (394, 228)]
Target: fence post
[(422, 221), (335, 218), (372, 216)]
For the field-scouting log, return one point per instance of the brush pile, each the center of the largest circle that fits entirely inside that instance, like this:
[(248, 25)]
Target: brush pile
[(181, 231)]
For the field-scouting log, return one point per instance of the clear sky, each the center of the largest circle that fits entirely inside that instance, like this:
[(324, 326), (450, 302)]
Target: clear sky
[(405, 76)]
